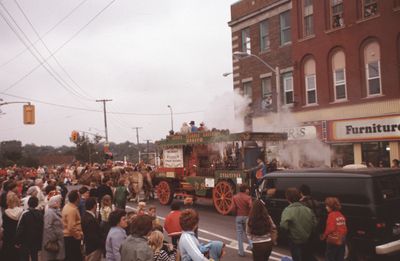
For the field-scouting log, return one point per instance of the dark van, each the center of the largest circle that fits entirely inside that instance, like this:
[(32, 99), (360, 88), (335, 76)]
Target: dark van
[(370, 201)]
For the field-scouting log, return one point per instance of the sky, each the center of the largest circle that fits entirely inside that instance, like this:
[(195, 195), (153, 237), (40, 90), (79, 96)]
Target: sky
[(144, 55)]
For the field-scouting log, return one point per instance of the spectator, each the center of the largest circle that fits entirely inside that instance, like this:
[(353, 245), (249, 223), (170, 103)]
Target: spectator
[(93, 190), (153, 214), (261, 231), (30, 231), (156, 243), (53, 230), (395, 163), (72, 228), (171, 223), (91, 231), (135, 247), (40, 195), (10, 220), (141, 208), (307, 200), (104, 189), (84, 194), (121, 194), (117, 235), (242, 206), (335, 231), (189, 246), (298, 221), (106, 208), (31, 192)]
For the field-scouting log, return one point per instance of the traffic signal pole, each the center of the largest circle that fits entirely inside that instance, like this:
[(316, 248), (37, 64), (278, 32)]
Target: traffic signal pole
[(105, 116)]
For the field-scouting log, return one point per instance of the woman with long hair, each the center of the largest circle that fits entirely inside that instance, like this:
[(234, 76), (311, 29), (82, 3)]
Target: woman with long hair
[(261, 230), (10, 221), (156, 243)]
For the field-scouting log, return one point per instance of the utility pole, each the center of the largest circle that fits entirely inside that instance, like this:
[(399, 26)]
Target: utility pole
[(148, 148), (105, 116), (137, 140)]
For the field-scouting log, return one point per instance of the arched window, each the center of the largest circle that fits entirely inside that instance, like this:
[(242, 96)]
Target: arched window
[(310, 81), (339, 75), (372, 68)]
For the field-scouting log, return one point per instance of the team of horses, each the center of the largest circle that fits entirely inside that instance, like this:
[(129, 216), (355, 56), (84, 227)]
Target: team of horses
[(137, 179)]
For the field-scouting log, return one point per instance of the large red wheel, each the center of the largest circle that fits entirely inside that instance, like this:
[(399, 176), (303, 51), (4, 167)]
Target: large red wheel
[(223, 197), (165, 192)]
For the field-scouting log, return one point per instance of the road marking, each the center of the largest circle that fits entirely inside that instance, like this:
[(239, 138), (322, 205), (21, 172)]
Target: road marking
[(233, 243)]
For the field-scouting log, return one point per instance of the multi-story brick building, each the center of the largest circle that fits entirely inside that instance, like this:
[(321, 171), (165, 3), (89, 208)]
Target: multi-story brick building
[(338, 72)]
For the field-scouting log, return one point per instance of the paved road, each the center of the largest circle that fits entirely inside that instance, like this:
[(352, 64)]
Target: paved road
[(213, 226)]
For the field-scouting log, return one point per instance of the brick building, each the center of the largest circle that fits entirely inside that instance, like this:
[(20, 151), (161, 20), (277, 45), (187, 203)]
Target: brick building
[(338, 74)]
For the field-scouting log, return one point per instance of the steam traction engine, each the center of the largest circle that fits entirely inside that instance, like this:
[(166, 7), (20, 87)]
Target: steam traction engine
[(210, 164)]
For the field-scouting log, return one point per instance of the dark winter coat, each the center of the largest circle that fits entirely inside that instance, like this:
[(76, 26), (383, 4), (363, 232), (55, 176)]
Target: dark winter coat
[(30, 230), (91, 233)]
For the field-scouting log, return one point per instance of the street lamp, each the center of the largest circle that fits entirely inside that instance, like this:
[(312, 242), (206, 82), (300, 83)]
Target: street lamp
[(227, 74), (172, 119), (241, 55)]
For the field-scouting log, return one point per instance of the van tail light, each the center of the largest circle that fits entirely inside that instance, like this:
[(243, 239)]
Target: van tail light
[(380, 225)]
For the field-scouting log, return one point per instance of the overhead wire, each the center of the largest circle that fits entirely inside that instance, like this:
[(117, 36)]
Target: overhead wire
[(53, 73), (93, 110), (54, 57), (59, 48), (46, 33)]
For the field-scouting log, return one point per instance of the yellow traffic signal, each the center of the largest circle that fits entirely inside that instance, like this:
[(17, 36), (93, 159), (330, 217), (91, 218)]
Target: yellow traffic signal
[(29, 114), (74, 136)]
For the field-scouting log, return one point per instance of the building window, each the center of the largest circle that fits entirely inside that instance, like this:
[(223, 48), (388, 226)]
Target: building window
[(370, 8), (264, 35), (339, 75), (372, 68), (285, 27), (247, 90), (310, 81), (308, 12), (246, 44), (287, 88), (266, 89), (337, 13)]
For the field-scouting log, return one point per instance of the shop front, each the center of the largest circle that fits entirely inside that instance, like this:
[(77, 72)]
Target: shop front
[(373, 141)]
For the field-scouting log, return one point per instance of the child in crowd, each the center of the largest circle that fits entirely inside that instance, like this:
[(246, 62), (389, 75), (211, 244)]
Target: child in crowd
[(153, 213), (156, 242), (141, 208), (106, 208)]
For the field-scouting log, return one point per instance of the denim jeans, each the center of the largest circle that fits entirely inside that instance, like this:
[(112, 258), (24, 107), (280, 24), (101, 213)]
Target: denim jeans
[(334, 252), (241, 232), (297, 251)]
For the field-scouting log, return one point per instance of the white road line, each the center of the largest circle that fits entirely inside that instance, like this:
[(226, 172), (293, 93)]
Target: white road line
[(232, 245)]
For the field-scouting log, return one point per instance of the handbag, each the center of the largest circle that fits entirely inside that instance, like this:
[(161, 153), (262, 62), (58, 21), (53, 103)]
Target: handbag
[(52, 246), (334, 239)]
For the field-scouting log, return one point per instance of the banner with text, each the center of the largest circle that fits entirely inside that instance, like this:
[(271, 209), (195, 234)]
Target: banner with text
[(173, 158)]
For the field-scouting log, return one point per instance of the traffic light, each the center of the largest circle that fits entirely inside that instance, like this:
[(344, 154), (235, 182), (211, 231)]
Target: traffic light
[(74, 136), (29, 114)]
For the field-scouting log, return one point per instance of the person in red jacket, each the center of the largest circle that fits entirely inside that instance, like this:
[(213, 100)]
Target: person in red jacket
[(171, 223), (335, 231)]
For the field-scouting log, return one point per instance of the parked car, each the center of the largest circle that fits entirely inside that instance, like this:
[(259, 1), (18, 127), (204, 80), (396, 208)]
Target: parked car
[(370, 201)]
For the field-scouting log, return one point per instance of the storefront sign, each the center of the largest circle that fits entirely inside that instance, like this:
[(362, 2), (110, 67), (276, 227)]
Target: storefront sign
[(173, 158), (380, 128), (301, 133)]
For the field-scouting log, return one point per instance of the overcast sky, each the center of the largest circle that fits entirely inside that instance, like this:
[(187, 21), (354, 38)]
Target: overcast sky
[(144, 55)]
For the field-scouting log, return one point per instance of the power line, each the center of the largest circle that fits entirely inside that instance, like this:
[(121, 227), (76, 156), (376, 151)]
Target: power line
[(93, 110), (45, 45), (49, 69), (46, 33), (60, 47)]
